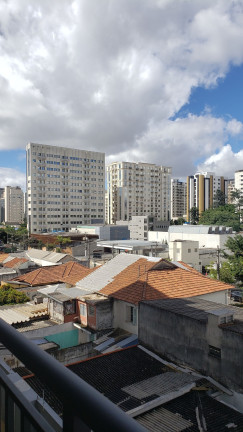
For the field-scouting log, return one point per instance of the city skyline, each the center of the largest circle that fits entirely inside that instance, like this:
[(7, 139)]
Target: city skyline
[(143, 81)]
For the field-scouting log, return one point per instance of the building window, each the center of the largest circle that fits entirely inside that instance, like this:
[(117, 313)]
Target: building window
[(131, 315), (189, 250), (83, 309), (91, 310), (214, 351), (70, 307)]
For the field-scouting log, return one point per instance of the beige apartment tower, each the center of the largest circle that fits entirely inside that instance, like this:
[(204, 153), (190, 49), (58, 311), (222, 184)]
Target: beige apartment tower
[(14, 205), (65, 188), (201, 189), (135, 189), (178, 198)]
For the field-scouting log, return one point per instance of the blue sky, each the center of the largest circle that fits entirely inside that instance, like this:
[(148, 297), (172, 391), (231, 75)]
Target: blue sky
[(142, 80)]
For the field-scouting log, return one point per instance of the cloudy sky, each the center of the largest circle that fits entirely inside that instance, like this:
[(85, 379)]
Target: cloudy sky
[(157, 81)]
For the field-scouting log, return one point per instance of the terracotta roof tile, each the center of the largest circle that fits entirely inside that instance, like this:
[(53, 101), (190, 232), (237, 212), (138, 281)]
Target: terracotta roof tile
[(141, 282), (3, 256), (70, 273), (15, 262)]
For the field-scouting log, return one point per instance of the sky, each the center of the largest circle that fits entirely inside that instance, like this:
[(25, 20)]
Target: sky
[(158, 81)]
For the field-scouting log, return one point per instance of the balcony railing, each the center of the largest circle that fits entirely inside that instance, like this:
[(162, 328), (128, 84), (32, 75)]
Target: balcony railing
[(84, 408)]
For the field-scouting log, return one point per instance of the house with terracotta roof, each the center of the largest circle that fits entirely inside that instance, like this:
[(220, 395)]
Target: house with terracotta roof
[(146, 278), (62, 307)]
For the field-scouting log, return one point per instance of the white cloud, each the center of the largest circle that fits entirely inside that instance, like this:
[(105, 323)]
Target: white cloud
[(12, 177), (110, 75), (221, 163)]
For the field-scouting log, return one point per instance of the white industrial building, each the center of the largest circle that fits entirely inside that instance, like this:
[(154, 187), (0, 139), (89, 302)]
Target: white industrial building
[(135, 189), (208, 236), (65, 187)]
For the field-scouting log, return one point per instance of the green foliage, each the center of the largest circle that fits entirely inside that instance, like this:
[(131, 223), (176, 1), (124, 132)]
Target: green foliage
[(223, 215), (194, 215), (179, 221), (63, 240), (50, 246), (219, 199), (225, 272), (234, 259), (9, 295)]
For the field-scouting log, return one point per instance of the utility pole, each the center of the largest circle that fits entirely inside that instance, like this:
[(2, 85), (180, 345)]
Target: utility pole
[(218, 263)]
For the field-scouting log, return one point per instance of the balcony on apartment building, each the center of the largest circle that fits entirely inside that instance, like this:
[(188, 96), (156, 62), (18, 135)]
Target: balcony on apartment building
[(84, 408)]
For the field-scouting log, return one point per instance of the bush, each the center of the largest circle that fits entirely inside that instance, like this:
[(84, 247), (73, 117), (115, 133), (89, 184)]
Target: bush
[(9, 295)]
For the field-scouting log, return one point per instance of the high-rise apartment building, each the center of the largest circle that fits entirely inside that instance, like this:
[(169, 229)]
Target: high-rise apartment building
[(239, 180), (65, 187), (14, 205), (201, 189), (178, 198), (138, 189), (2, 205)]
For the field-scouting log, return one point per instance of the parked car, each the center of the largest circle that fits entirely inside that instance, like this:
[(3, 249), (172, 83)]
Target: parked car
[(236, 295)]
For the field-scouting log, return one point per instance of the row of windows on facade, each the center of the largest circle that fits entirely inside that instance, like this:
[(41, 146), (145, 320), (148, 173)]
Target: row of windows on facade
[(67, 210), (51, 155)]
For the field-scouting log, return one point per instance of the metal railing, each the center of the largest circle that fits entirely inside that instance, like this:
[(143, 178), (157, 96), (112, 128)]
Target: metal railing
[(84, 408)]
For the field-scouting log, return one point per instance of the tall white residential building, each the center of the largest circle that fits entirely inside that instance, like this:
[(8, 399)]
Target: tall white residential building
[(201, 189), (178, 198), (14, 205), (65, 187), (136, 189), (239, 180)]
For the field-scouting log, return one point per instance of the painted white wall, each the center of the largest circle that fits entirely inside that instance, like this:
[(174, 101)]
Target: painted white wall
[(158, 236), (216, 297), (186, 251), (120, 317), (208, 240)]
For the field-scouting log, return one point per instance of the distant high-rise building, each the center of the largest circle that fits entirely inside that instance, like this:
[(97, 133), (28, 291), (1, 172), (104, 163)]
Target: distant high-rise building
[(178, 198), (65, 187), (239, 180), (14, 205), (201, 189), (138, 189), (2, 205), (231, 188)]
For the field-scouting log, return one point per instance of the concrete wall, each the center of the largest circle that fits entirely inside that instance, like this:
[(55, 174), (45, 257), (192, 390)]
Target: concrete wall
[(46, 331), (158, 236), (114, 232), (185, 340), (210, 240), (104, 315), (217, 297), (75, 354), (186, 251), (120, 317)]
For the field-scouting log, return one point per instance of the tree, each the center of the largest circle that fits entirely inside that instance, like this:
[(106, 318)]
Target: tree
[(194, 215), (9, 295), (235, 257), (237, 199), (219, 199), (223, 215), (225, 272)]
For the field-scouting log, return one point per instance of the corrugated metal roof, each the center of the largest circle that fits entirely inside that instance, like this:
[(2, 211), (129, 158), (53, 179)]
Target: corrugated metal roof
[(161, 419), (53, 257), (192, 307), (192, 229), (106, 273), (22, 313), (159, 385)]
